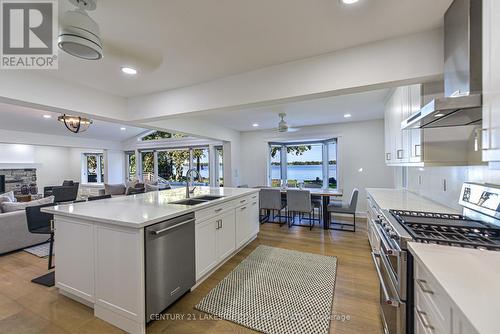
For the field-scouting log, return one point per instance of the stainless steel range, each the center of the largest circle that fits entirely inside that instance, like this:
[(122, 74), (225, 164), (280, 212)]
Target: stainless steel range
[(390, 230)]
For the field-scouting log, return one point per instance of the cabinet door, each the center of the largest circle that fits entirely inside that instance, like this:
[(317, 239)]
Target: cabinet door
[(226, 243), (491, 80), (206, 246), (254, 222), (415, 151), (242, 228), (389, 157), (397, 115)]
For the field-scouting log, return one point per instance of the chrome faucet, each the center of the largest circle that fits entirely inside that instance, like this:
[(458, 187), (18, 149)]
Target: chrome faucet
[(188, 178)]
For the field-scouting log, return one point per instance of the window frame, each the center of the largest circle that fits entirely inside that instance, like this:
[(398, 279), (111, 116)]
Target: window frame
[(325, 170)]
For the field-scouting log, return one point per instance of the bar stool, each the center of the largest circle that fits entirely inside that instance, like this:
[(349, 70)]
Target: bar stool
[(346, 208), (270, 201), (299, 202)]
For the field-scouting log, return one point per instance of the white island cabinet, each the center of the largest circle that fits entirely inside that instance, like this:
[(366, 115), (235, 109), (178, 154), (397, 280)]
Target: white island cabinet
[(100, 245)]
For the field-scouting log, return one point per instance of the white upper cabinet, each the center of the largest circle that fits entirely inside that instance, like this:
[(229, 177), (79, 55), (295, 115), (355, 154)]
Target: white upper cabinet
[(491, 80), (402, 146)]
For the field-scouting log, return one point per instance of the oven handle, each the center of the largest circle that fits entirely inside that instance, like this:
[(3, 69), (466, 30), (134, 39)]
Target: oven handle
[(387, 299)]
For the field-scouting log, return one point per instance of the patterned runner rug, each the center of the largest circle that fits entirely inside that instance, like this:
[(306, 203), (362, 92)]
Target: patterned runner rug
[(276, 291)]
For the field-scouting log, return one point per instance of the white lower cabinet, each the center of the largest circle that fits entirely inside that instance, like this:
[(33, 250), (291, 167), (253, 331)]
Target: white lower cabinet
[(434, 310), (220, 235), (206, 246), (226, 243)]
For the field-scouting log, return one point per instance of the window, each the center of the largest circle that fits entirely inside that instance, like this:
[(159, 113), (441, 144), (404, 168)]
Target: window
[(158, 135), (275, 165), (219, 166), (131, 166), (93, 171), (200, 163), (311, 164), (148, 165)]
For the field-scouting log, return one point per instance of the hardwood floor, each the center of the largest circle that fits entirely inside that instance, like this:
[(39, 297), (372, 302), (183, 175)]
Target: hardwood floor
[(28, 308)]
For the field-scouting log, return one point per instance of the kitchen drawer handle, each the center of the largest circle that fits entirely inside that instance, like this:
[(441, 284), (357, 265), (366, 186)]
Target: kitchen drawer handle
[(254, 197), (400, 156), (218, 210), (243, 201), (254, 203), (172, 227), (417, 155), (423, 317), (421, 283), (243, 208)]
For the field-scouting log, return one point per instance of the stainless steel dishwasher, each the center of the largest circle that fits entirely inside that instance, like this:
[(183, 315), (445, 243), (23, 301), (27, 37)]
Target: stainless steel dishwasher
[(170, 262)]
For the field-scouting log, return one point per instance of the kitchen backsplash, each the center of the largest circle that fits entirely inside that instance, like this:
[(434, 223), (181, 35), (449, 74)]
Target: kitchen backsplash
[(443, 184)]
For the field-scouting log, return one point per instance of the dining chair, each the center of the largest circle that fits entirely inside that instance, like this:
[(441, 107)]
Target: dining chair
[(299, 203), (270, 201), (345, 208)]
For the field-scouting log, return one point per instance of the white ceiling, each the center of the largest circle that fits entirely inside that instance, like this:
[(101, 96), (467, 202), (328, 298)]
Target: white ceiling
[(182, 42), (19, 118), (362, 106)]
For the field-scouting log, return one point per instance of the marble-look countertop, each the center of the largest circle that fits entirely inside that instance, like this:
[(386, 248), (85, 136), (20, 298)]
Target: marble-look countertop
[(141, 210), (470, 277), (400, 199)]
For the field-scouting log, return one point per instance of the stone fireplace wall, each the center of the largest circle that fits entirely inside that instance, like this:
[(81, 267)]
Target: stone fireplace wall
[(16, 178)]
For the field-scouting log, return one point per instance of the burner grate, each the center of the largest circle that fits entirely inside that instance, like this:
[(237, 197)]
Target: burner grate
[(448, 229)]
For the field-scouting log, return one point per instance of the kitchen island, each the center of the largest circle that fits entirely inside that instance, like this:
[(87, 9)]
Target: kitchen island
[(101, 245)]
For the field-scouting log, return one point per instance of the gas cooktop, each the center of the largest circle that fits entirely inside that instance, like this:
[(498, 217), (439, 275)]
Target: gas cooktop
[(448, 229)]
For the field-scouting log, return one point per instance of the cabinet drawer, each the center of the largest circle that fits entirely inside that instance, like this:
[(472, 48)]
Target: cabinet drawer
[(431, 299), (202, 215)]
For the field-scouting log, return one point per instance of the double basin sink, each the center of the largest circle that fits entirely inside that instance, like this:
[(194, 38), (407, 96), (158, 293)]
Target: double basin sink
[(197, 200)]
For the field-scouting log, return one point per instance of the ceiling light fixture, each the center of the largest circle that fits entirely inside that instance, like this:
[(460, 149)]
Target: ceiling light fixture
[(79, 35), (75, 124), (439, 115), (47, 116), (255, 125), (349, 2), (129, 70), (347, 115), (123, 129)]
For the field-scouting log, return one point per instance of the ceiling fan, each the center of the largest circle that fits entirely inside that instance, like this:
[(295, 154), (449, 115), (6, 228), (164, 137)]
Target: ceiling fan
[(283, 125)]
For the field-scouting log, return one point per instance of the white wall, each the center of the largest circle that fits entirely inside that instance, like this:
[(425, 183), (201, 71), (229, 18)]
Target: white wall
[(428, 181), (361, 145), (411, 58), (114, 162)]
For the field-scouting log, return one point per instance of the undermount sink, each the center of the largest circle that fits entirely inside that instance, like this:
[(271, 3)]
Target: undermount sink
[(197, 200)]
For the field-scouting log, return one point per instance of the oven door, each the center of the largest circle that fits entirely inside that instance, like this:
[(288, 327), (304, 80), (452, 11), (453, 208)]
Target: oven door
[(392, 308), (396, 261)]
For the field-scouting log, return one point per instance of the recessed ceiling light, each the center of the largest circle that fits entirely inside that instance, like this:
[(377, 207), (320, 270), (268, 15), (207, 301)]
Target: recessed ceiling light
[(129, 70), (255, 125), (349, 2), (123, 129), (347, 115), (439, 115), (47, 116)]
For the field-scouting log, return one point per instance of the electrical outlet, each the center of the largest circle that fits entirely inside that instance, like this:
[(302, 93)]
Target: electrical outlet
[(444, 184), (420, 179)]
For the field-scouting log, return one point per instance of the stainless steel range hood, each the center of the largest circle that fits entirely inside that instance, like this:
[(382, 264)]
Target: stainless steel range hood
[(462, 71)]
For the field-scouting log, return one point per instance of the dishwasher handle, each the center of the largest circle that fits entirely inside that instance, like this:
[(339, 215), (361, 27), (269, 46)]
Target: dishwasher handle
[(163, 230)]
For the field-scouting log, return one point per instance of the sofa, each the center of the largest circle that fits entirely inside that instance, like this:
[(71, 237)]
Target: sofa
[(14, 234)]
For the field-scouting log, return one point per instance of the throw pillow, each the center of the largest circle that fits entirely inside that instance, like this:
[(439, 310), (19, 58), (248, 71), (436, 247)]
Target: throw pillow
[(114, 189), (11, 207), (10, 196)]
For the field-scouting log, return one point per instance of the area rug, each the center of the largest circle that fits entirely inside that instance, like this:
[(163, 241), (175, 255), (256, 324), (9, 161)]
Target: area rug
[(41, 250), (276, 291)]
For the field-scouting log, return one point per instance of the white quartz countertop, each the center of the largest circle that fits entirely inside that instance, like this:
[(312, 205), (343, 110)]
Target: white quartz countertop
[(400, 199), (469, 276), (141, 210)]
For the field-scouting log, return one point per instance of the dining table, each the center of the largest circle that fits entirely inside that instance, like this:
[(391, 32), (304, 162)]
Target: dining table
[(325, 193)]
